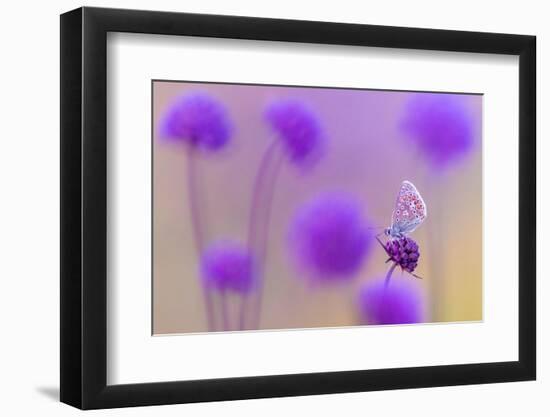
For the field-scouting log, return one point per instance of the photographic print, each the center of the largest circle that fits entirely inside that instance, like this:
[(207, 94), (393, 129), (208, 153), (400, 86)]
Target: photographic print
[(287, 207)]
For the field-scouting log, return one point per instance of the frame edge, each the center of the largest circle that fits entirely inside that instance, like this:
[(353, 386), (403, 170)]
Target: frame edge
[(71, 377), (527, 272)]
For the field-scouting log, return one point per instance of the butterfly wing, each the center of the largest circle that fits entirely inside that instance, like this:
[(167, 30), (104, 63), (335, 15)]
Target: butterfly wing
[(410, 209)]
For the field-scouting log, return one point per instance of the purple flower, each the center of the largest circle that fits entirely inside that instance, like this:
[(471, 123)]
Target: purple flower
[(228, 266), (299, 129), (199, 120), (401, 302), (330, 238), (404, 252), (440, 126)]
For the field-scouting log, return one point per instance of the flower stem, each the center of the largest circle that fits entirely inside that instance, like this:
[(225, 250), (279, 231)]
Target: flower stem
[(225, 312), (263, 243), (263, 223), (258, 227), (198, 232), (388, 275), (260, 190), (436, 247)]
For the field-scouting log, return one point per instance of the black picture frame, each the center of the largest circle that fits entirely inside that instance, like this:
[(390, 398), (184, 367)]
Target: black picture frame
[(84, 207)]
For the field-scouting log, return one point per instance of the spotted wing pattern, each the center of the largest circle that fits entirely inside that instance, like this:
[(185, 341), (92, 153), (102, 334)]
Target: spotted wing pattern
[(410, 209)]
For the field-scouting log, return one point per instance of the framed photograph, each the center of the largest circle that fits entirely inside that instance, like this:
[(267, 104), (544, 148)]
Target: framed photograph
[(257, 208)]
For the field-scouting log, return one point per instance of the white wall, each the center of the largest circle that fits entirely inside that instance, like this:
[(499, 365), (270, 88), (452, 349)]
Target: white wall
[(29, 224)]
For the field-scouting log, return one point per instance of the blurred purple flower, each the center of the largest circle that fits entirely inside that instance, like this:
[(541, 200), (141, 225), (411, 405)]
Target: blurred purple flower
[(197, 119), (228, 266), (299, 129), (440, 126), (330, 237), (401, 302), (404, 252)]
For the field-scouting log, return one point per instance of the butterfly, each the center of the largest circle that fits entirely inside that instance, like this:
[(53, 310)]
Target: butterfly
[(409, 212)]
